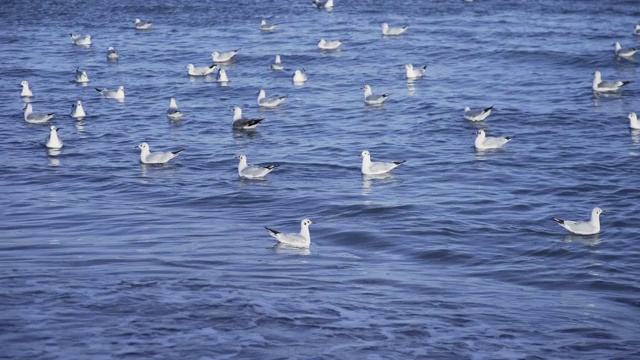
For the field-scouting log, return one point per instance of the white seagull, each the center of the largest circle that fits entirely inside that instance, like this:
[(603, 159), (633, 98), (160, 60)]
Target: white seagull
[(302, 239), (224, 57), (323, 4), (636, 30), (77, 111), (141, 25), (590, 227), (300, 76), (81, 76), (484, 142), (147, 157), (221, 77), (240, 123), (110, 94), (77, 39), (269, 103), (200, 70), (33, 118), (412, 73), (329, 45), (625, 53), (266, 27), (172, 112), (53, 141), (277, 64), (371, 99), (252, 171), (26, 91), (112, 54), (478, 114), (606, 86), (387, 31), (633, 121), (377, 168)]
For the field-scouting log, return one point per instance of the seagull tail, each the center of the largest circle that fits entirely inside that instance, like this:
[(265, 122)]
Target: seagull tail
[(509, 138), (270, 167), (559, 221), (386, 95), (424, 67), (272, 232), (98, 90), (399, 162), (254, 122), (626, 82), (176, 153), (213, 66)]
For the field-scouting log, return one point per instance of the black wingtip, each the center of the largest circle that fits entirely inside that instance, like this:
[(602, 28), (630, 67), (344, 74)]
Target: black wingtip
[(489, 108), (386, 95), (177, 152), (98, 90), (626, 82), (509, 138), (400, 162), (559, 221), (271, 167), (272, 231)]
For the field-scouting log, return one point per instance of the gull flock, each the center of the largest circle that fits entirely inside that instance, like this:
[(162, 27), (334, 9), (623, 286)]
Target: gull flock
[(240, 123)]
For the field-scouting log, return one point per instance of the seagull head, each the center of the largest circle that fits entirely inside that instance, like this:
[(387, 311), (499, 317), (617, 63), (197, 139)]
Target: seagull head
[(53, 128), (241, 157), (480, 132), (143, 146), (24, 83), (306, 222), (632, 116), (365, 154)]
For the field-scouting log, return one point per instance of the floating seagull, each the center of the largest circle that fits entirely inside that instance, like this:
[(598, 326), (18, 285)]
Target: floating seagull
[(112, 54), (277, 64), (110, 94), (224, 57), (605, 86), (477, 115), (26, 91), (636, 30), (200, 70), (81, 76), (77, 39), (590, 227), (323, 4), (265, 27), (302, 240), (141, 25), (387, 31), (252, 171), (173, 113), (33, 118), (221, 77), (414, 73), (625, 53), (485, 143), (269, 103), (377, 168), (371, 99), (77, 111), (633, 121), (300, 76), (147, 157), (329, 45), (53, 141), (240, 123)]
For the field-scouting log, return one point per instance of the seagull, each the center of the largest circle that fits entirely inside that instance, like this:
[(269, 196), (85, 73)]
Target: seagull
[(477, 115), (172, 112), (81, 76), (265, 27), (323, 4), (147, 157), (302, 240), (77, 39), (252, 171), (387, 31), (484, 143), (625, 53), (112, 54), (377, 168), (329, 45), (633, 121), (200, 70), (414, 73), (33, 118), (77, 111), (224, 57), (371, 99), (26, 91), (277, 64), (53, 141), (590, 227), (636, 30), (141, 25), (300, 76), (240, 123), (606, 86), (269, 103), (110, 94), (221, 77)]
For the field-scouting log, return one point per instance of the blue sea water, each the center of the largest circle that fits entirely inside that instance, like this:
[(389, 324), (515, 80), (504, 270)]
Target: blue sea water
[(453, 256)]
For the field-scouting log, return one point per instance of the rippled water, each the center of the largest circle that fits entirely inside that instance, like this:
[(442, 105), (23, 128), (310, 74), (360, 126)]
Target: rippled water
[(453, 256)]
